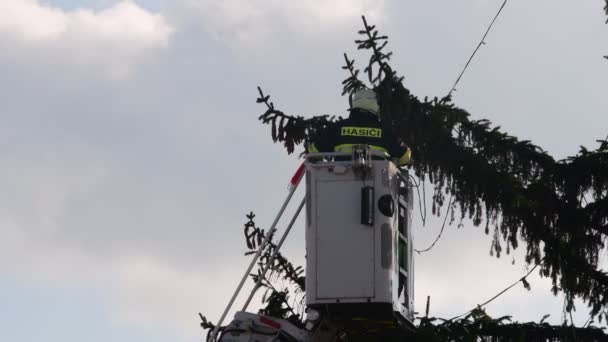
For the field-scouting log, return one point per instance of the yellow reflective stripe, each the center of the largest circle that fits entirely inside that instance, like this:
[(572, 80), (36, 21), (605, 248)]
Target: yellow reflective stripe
[(368, 132), (406, 157), (347, 148), (313, 148), (344, 148), (378, 148)]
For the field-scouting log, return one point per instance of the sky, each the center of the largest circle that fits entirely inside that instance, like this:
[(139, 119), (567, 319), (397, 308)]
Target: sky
[(130, 149)]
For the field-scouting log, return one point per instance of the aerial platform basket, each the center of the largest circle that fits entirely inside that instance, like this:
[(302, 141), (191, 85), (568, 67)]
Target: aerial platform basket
[(359, 260)]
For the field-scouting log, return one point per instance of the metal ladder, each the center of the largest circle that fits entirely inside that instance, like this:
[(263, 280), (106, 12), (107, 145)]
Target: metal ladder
[(269, 234)]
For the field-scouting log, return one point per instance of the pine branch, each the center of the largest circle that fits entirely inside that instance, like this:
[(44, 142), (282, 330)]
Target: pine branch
[(352, 83), (376, 43), (478, 325), (512, 185), (516, 187), (280, 267), (475, 325), (291, 130)]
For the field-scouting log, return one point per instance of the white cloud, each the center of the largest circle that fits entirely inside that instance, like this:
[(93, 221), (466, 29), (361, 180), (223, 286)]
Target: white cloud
[(112, 39), (50, 196), (250, 21), (38, 193), (38, 196), (141, 290), (135, 229), (150, 290)]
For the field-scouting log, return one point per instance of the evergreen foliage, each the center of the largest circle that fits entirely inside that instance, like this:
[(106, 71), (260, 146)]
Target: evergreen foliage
[(559, 208), (276, 301), (475, 325), (478, 326)]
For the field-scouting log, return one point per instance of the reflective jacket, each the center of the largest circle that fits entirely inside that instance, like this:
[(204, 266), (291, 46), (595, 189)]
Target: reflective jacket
[(361, 127)]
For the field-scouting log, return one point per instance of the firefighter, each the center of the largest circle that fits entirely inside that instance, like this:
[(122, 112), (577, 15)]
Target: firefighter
[(363, 126)]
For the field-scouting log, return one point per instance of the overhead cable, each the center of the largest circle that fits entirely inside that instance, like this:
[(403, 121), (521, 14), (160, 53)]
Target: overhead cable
[(482, 42), (522, 279)]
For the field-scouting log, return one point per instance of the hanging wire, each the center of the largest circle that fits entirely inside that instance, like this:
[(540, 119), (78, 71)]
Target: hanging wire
[(482, 42), (588, 321), (522, 279), (420, 199), (445, 99), (445, 219)]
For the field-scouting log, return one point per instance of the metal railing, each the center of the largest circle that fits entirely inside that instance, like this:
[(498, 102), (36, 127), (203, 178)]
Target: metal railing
[(329, 157), (263, 245), (360, 155)]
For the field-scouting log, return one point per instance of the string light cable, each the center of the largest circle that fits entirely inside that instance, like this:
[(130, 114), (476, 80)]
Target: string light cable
[(481, 43), (522, 279)]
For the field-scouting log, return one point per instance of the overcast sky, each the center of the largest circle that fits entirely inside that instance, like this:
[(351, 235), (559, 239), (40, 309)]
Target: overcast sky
[(130, 149)]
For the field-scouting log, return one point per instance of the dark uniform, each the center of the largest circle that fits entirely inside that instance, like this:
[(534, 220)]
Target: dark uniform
[(361, 127)]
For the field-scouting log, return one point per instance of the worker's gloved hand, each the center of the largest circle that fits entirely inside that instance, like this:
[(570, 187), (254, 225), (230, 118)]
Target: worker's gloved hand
[(405, 158)]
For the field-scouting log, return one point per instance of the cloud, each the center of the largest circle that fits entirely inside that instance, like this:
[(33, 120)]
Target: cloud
[(124, 187), (40, 194), (150, 290), (141, 290), (111, 40), (249, 22), (97, 194)]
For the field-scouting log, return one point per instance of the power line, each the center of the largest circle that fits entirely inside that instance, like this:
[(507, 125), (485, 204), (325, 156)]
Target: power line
[(482, 42), (588, 321), (420, 199), (522, 279), (445, 219)]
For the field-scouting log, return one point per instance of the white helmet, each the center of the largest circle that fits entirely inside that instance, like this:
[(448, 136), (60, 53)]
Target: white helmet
[(365, 99)]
